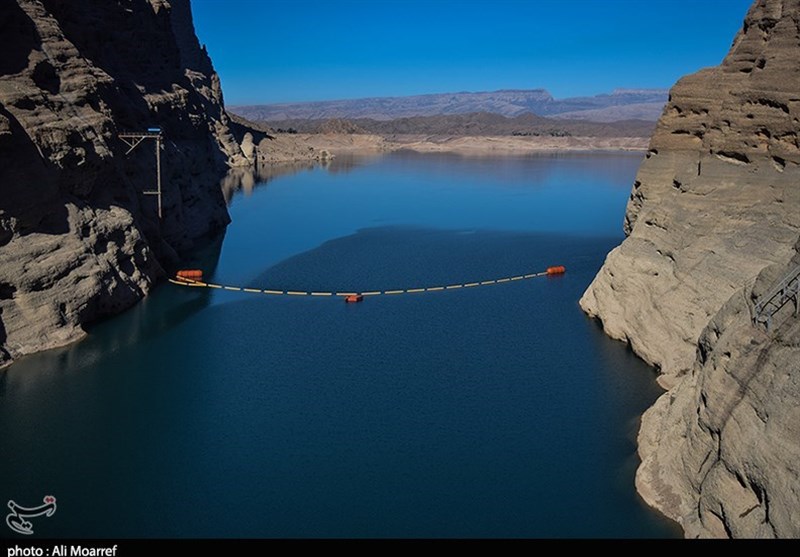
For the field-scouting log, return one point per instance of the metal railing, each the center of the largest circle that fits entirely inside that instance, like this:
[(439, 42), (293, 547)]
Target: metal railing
[(769, 304)]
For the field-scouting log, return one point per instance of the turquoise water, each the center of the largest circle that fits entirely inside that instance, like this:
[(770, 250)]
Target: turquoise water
[(490, 412)]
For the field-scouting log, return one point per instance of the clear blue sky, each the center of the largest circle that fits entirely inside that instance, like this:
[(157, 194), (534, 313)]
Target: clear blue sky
[(269, 51)]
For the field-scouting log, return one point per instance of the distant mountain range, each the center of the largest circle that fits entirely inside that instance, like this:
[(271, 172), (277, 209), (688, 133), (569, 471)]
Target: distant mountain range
[(621, 104), (473, 124)]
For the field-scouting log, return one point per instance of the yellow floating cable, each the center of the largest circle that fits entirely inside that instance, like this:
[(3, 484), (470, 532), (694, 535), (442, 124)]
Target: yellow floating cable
[(182, 281)]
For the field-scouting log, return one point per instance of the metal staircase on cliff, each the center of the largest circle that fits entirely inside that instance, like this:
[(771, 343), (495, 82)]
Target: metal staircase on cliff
[(769, 304)]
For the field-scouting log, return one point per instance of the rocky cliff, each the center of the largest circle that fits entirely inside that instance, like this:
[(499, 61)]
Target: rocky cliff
[(78, 240), (712, 222)]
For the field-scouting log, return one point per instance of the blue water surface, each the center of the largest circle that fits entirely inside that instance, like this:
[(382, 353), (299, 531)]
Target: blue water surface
[(499, 411)]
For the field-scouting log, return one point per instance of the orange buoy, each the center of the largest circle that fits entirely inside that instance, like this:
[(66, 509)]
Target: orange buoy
[(354, 298), (190, 274), (558, 270)]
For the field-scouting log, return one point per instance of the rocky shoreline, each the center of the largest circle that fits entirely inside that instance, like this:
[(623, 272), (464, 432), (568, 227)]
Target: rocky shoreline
[(712, 223), (78, 239), (468, 145)]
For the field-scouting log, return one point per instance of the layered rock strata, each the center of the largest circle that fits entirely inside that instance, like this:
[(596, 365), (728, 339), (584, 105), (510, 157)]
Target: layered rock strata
[(713, 222), (78, 239)]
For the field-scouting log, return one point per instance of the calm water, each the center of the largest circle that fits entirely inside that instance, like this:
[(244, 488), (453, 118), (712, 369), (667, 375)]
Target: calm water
[(493, 411)]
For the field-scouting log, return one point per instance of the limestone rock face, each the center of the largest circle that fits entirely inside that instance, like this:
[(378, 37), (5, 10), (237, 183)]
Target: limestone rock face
[(713, 220), (78, 240), (715, 201), (721, 451), (248, 147)]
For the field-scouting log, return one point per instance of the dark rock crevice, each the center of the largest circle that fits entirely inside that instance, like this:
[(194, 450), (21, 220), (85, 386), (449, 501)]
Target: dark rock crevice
[(20, 38)]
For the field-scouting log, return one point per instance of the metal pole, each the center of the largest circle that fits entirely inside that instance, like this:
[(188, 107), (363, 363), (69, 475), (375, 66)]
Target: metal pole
[(158, 171)]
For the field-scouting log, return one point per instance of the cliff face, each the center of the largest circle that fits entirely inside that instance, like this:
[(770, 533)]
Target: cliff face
[(721, 451), (713, 220), (78, 240)]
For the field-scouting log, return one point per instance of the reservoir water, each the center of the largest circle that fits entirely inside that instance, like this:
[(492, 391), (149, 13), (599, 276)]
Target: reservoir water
[(499, 411)]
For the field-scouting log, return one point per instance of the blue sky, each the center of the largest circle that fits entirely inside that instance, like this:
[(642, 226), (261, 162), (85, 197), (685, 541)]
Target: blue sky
[(268, 51)]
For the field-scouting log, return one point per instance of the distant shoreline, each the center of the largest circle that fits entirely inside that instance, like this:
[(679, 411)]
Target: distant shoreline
[(468, 145)]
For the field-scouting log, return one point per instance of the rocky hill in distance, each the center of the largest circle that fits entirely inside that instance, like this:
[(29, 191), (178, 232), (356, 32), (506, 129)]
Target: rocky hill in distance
[(473, 124), (621, 104)]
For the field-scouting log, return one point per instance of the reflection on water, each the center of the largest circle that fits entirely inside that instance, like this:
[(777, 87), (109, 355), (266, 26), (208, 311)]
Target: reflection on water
[(244, 180), (483, 412), (610, 167), (347, 162), (159, 312), (559, 168)]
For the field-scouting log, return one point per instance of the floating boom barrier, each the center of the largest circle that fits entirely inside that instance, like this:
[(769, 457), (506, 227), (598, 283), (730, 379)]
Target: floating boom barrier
[(194, 279)]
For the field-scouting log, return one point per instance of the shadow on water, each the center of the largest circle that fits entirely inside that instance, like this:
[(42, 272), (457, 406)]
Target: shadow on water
[(628, 389), (493, 411), (173, 306), (161, 311), (386, 258)]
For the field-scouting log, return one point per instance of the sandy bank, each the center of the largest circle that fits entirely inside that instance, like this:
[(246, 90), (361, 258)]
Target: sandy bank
[(468, 145)]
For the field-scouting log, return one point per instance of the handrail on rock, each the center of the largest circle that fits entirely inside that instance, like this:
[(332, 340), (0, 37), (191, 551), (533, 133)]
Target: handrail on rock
[(769, 304)]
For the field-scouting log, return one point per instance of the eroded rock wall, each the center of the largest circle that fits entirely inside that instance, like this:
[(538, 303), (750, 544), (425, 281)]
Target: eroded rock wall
[(713, 220), (78, 240), (721, 451), (716, 199)]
